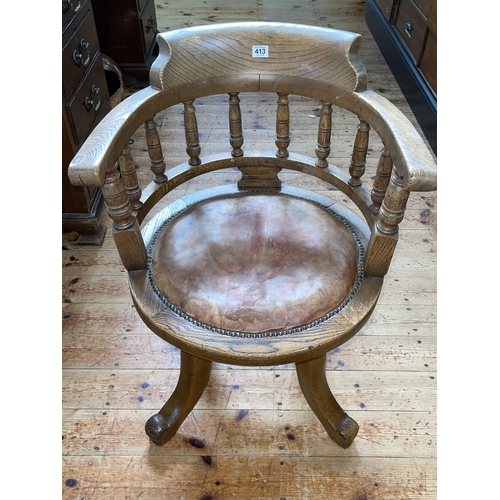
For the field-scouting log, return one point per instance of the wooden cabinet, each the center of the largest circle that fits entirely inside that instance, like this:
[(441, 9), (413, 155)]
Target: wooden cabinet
[(85, 101), (386, 8), (127, 33), (406, 33), (413, 20), (411, 26), (428, 61)]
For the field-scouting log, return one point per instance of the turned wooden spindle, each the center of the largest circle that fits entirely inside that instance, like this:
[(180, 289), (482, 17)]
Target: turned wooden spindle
[(282, 126), (129, 176), (381, 181), (393, 206), (358, 160), (126, 230), (193, 148), (324, 135), (117, 202), (235, 130), (155, 152)]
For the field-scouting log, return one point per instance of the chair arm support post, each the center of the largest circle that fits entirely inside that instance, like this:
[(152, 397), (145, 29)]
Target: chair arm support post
[(117, 202), (126, 231), (384, 238), (381, 181), (379, 254), (129, 177), (130, 246), (393, 206)]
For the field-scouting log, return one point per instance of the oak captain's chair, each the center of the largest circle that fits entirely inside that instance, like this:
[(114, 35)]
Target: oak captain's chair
[(257, 273)]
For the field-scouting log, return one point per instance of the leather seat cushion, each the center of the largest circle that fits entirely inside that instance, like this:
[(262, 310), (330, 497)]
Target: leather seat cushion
[(255, 263)]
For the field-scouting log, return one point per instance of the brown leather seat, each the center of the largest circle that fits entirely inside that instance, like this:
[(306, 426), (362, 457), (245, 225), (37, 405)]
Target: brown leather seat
[(256, 263)]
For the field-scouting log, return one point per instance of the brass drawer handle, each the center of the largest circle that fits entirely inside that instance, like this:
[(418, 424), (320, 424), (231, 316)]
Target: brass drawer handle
[(77, 57), (78, 54), (89, 103), (408, 28), (152, 26), (66, 4)]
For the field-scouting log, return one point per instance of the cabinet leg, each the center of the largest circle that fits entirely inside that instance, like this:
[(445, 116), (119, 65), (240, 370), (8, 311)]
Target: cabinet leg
[(312, 379), (193, 379)]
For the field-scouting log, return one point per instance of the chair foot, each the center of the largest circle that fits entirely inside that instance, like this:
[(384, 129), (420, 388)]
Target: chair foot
[(347, 431), (193, 379), (312, 379), (157, 429)]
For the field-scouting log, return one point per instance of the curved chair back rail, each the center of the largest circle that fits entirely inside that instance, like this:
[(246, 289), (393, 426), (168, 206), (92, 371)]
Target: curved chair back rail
[(257, 56)]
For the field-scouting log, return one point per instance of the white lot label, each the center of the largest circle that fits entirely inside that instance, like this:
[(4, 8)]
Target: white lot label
[(260, 51)]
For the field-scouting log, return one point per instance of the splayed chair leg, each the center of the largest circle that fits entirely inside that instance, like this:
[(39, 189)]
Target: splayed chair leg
[(312, 379), (193, 379)]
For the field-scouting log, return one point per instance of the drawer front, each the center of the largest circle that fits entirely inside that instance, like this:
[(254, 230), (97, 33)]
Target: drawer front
[(79, 49), (412, 26), (429, 10), (386, 7), (70, 9), (89, 101), (140, 5), (149, 25), (428, 64)]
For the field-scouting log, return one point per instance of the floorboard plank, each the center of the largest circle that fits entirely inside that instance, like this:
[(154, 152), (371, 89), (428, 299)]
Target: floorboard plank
[(370, 353), (231, 387), (250, 477), (232, 433)]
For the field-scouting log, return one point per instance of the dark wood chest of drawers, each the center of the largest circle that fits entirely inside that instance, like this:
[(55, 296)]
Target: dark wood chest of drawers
[(127, 33), (406, 33), (85, 101)]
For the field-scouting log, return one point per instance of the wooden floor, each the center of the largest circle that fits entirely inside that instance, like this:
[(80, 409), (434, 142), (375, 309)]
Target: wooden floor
[(252, 435)]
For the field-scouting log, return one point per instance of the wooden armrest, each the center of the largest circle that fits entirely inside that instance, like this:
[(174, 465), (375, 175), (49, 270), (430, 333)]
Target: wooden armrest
[(409, 152), (99, 152)]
